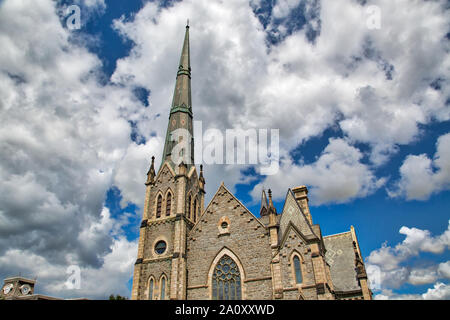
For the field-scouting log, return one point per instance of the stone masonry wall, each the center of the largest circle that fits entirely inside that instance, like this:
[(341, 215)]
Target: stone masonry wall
[(247, 239)]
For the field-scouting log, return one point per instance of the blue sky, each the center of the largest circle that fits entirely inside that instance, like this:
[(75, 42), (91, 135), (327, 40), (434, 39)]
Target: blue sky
[(363, 114)]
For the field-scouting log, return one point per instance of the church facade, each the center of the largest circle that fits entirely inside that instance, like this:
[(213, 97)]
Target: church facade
[(223, 251)]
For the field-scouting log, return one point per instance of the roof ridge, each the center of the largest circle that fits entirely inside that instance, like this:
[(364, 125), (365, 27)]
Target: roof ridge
[(337, 234)]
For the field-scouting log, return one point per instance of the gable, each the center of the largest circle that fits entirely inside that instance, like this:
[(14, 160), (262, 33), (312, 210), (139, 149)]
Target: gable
[(292, 230), (227, 223), (215, 201), (292, 213), (164, 173)]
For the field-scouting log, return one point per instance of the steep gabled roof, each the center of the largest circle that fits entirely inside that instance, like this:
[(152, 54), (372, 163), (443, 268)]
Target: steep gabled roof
[(292, 212), (340, 255)]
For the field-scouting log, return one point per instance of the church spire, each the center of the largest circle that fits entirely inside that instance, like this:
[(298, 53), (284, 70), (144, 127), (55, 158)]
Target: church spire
[(180, 116), (182, 94)]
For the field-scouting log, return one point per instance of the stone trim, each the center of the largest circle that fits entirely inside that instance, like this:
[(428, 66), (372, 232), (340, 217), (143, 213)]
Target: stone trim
[(201, 286), (148, 260), (292, 267), (259, 279)]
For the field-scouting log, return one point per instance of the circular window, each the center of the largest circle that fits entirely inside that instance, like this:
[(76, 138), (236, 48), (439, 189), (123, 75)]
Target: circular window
[(224, 225), (160, 247)]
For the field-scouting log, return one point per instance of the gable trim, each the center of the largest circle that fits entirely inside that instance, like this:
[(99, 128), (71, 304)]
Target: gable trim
[(161, 169), (212, 200)]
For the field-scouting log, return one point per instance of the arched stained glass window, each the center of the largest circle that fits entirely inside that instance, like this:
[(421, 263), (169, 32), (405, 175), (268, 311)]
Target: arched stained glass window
[(150, 289), (158, 206), (226, 280), (168, 204), (298, 270), (163, 288)]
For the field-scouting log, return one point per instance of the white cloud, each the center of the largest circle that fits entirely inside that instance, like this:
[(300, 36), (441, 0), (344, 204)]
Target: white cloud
[(62, 137), (96, 283), (422, 276), (367, 85), (420, 176), (391, 263), (336, 176), (283, 7), (444, 269), (440, 291)]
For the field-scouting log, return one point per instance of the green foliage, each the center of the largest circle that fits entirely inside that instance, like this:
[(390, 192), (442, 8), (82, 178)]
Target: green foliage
[(117, 297)]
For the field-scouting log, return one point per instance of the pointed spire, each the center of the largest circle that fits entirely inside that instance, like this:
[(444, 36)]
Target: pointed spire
[(151, 172), (180, 116), (264, 204), (182, 94)]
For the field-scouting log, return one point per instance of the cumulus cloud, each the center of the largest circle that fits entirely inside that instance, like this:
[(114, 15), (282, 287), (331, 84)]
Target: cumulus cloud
[(375, 90), (391, 267), (63, 138), (420, 176), (440, 291), (336, 176)]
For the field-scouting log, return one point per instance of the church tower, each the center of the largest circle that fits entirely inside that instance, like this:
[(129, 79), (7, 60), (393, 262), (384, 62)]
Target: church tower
[(173, 203)]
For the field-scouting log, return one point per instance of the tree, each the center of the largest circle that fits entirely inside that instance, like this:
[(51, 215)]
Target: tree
[(117, 297)]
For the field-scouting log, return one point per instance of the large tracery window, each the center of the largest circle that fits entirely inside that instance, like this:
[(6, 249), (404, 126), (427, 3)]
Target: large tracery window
[(226, 280)]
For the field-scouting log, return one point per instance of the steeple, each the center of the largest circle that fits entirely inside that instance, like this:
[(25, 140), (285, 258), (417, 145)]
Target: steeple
[(180, 116)]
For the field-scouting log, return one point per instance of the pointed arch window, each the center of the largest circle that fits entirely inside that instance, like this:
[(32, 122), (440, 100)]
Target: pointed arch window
[(168, 203), (158, 206), (189, 207), (226, 280), (195, 210), (163, 288), (150, 289), (297, 269)]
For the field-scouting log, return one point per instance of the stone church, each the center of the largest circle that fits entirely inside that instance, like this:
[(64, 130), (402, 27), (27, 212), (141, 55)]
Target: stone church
[(223, 251)]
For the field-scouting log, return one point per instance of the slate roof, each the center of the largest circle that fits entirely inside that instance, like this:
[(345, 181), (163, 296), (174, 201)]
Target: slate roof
[(340, 255)]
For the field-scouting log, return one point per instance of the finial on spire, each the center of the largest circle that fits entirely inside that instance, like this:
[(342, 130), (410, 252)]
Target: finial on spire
[(187, 23), (151, 173), (201, 178), (271, 206)]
